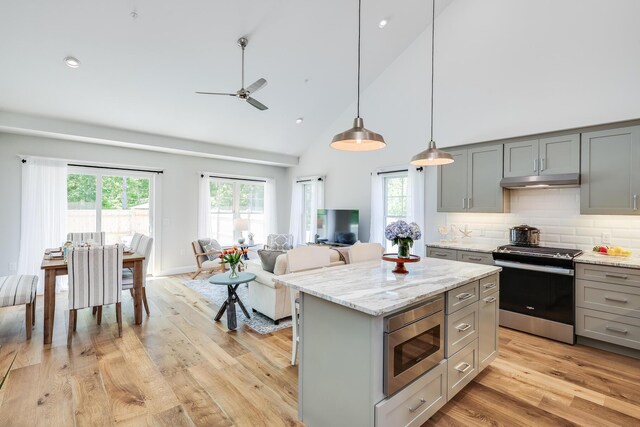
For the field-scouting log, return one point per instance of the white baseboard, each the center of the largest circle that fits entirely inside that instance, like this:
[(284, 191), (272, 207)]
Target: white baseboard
[(176, 270)]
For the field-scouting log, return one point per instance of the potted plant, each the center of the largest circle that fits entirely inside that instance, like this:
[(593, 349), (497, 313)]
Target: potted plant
[(233, 256), (403, 235)]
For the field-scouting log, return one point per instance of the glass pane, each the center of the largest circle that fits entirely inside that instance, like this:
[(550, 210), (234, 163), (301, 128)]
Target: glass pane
[(412, 351), (222, 227), (81, 203), (307, 192), (221, 196), (251, 197), (125, 207)]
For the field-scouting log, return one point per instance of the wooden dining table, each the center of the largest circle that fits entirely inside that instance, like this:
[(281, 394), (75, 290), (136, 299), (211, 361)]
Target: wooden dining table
[(58, 267)]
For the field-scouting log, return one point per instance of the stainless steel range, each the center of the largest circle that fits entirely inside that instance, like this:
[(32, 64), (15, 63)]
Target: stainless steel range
[(537, 290)]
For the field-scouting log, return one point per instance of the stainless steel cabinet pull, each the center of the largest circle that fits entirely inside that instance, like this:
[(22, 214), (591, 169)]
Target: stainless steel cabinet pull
[(635, 202), (464, 203), (489, 285), (622, 300), (464, 295), (469, 203), (617, 276), (439, 254), (475, 258), (618, 330), (490, 299), (530, 308), (460, 368), (542, 164), (463, 327), (535, 165), (422, 402)]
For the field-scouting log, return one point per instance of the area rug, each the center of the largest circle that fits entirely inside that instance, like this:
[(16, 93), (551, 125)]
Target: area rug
[(218, 295)]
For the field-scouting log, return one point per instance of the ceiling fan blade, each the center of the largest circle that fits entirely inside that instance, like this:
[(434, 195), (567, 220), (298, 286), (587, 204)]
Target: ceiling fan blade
[(256, 86), (259, 105), (216, 93)]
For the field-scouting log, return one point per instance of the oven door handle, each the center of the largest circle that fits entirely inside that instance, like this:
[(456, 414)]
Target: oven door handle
[(531, 267)]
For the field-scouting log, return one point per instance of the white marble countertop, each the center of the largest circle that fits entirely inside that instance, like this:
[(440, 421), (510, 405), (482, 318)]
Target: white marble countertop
[(613, 261), (371, 287), (465, 246)]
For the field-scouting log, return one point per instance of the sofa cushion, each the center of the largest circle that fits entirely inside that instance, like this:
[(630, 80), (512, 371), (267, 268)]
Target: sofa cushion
[(268, 258), (279, 242), (280, 267), (17, 290), (212, 247)]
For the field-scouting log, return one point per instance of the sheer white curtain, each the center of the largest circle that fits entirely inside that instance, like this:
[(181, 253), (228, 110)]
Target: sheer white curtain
[(317, 202), (376, 233), (204, 207), (43, 222), (270, 214), (295, 220), (415, 204)]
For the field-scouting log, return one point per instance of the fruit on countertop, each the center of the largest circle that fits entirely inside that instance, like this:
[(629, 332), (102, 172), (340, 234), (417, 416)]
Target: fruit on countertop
[(613, 251)]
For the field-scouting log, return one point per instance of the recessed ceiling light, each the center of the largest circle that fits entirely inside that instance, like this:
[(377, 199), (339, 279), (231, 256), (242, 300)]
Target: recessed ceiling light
[(383, 23), (72, 62), (299, 120)]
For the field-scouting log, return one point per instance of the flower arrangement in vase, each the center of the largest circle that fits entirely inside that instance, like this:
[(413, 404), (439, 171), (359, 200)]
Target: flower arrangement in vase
[(403, 235), (233, 256)]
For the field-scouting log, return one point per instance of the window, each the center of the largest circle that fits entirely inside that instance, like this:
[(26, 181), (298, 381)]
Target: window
[(116, 203), (394, 199), (231, 199)]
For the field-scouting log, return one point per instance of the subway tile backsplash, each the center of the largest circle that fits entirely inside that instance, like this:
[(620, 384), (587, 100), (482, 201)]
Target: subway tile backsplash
[(556, 212)]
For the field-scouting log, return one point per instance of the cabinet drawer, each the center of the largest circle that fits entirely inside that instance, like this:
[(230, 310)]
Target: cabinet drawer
[(462, 328), (475, 257), (489, 285), (607, 297), (462, 296), (613, 328), (602, 273), (451, 254), (463, 367), (417, 402)]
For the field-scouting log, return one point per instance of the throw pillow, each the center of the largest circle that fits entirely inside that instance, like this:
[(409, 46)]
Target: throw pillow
[(268, 258), (210, 248)]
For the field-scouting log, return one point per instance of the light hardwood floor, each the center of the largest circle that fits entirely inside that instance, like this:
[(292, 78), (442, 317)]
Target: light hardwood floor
[(181, 368)]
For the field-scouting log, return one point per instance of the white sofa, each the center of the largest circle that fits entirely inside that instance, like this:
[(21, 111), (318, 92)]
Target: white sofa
[(272, 299)]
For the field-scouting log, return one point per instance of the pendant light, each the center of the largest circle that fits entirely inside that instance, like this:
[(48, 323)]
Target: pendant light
[(358, 138), (432, 156)]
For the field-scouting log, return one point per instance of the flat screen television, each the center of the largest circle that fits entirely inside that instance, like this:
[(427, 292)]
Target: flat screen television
[(338, 226)]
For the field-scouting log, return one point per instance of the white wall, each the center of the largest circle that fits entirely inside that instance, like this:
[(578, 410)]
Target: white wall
[(504, 68), (179, 198)]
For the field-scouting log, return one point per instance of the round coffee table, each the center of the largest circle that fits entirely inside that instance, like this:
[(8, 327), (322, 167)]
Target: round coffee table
[(229, 305)]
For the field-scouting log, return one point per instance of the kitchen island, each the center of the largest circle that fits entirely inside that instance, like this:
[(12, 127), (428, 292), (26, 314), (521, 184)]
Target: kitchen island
[(344, 355)]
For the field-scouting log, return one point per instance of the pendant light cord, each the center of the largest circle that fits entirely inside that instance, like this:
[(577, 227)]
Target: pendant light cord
[(433, 33), (359, 31)]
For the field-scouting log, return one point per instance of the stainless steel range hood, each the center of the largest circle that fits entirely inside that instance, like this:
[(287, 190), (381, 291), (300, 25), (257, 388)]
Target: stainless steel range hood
[(545, 181)]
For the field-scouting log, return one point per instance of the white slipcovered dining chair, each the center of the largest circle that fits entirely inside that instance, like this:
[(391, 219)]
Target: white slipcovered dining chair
[(362, 252), (98, 237), (95, 279), (302, 259), (144, 245)]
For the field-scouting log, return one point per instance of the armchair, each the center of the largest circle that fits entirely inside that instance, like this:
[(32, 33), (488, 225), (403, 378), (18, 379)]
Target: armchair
[(202, 258)]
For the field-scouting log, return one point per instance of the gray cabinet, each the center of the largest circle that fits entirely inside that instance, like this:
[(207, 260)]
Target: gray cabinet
[(545, 156), (488, 309), (611, 172), (472, 182)]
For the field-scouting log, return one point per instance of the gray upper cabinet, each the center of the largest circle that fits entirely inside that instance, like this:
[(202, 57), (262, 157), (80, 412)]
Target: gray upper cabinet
[(546, 156), (611, 172), (521, 158), (484, 193), (472, 182), (560, 154), (452, 183)]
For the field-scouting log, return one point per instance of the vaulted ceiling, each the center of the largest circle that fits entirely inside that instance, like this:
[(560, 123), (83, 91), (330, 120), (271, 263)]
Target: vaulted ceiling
[(141, 73)]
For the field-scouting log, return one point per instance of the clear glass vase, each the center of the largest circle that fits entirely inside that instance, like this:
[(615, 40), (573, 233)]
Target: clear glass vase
[(234, 271), (404, 250)]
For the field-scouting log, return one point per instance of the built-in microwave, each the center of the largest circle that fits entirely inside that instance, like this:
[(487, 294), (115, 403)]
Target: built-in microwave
[(413, 343)]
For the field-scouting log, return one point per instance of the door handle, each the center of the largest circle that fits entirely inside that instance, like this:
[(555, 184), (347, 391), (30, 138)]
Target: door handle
[(489, 285), (635, 202), (469, 203), (463, 327), (616, 276), (422, 402), (460, 368), (475, 258), (618, 330), (490, 300), (464, 296), (464, 203), (535, 165), (542, 164), (622, 300)]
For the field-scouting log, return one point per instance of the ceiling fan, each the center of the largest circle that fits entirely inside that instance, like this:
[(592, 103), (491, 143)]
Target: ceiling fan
[(245, 93)]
